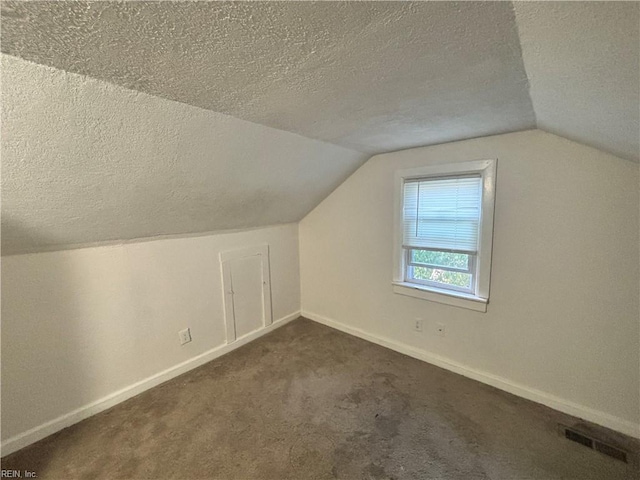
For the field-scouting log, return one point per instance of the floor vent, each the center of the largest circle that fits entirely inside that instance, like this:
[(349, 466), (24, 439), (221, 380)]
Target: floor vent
[(611, 451), (601, 447)]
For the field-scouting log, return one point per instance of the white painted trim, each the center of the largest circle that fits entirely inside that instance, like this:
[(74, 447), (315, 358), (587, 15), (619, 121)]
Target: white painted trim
[(227, 296), (596, 416), (226, 257), (41, 431), (449, 297), (237, 254), (487, 170)]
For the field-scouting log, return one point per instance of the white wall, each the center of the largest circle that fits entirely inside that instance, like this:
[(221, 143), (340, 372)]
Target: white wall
[(80, 325), (562, 325)]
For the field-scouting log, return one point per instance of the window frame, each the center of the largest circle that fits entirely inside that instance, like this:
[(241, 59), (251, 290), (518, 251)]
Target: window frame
[(472, 270), (479, 297)]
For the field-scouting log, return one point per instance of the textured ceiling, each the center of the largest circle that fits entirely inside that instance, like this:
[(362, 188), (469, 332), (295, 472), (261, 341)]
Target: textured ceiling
[(371, 76), (85, 160), (582, 60)]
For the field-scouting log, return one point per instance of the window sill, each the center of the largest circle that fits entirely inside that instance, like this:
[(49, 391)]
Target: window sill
[(456, 299)]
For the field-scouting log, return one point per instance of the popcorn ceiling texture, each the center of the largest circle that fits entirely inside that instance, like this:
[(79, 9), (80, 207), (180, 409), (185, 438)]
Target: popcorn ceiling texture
[(582, 59), (371, 76), (87, 161)]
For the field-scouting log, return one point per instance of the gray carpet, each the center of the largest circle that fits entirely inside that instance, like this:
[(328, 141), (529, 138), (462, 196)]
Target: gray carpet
[(308, 402)]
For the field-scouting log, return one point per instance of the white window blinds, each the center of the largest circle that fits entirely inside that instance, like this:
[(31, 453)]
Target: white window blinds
[(443, 213)]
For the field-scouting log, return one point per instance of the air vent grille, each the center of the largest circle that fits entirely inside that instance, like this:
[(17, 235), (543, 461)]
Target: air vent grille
[(611, 451), (594, 444), (578, 438)]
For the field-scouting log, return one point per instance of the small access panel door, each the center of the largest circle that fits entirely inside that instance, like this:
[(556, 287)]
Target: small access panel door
[(247, 291)]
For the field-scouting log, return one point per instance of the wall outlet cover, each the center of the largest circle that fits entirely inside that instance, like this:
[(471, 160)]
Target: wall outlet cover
[(185, 336)]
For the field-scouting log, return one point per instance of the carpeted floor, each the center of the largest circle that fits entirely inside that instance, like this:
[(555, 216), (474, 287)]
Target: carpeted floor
[(308, 402)]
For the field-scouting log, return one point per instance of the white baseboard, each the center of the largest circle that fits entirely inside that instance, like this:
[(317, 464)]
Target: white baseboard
[(41, 431), (565, 406)]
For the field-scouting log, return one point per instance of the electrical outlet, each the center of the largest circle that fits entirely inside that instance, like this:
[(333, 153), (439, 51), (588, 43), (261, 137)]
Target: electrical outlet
[(185, 336), (417, 326), (440, 329)]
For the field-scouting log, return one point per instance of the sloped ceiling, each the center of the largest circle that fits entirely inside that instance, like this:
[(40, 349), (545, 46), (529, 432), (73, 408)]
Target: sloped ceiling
[(85, 161), (109, 163), (582, 61), (371, 76)]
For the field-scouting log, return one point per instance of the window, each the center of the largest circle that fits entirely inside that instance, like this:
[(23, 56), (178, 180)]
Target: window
[(444, 233)]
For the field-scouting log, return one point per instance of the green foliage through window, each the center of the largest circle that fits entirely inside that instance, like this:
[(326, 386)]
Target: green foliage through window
[(443, 259), (445, 277), (426, 263)]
